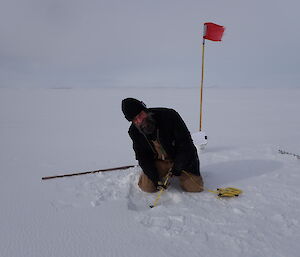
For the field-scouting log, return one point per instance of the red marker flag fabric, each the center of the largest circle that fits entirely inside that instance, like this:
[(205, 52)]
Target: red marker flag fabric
[(213, 31)]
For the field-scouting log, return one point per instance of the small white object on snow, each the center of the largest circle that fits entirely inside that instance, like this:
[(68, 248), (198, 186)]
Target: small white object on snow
[(200, 139)]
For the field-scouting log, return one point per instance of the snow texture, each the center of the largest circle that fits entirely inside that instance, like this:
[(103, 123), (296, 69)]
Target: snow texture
[(50, 132)]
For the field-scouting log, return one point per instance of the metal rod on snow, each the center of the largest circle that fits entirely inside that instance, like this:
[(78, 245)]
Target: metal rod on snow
[(89, 172)]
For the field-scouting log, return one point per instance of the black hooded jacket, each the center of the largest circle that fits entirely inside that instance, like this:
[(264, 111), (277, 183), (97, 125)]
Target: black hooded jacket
[(174, 137)]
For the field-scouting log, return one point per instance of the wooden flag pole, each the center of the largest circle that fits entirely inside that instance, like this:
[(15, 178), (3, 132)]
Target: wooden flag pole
[(201, 88)]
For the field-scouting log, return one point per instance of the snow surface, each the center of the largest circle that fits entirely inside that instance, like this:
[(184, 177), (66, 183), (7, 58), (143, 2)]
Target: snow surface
[(48, 132)]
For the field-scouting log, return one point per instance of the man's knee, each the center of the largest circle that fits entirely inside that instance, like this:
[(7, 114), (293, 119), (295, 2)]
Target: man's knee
[(146, 184), (190, 182)]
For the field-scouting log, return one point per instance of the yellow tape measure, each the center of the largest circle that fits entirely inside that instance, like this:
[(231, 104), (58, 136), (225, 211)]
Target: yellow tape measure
[(227, 192)]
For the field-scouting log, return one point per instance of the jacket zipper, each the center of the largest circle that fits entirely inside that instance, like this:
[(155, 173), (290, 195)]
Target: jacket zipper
[(162, 148), (149, 143), (153, 150)]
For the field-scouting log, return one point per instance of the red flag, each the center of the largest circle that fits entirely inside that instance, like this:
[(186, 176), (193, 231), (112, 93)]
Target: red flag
[(213, 31)]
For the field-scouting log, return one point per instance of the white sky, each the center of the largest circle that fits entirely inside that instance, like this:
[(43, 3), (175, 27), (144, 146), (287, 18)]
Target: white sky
[(90, 43)]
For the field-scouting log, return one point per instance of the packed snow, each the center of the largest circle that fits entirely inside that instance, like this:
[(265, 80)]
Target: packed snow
[(46, 132)]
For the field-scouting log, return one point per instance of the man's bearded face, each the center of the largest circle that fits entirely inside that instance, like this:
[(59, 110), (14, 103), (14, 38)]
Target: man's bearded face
[(145, 122)]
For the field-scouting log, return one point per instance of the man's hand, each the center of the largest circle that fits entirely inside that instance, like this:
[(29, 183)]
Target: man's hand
[(161, 185), (164, 183)]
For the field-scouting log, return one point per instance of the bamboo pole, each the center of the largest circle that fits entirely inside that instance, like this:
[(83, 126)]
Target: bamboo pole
[(89, 172), (201, 87)]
